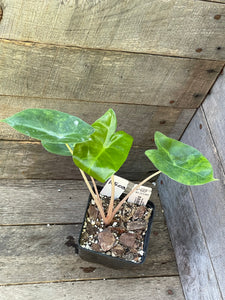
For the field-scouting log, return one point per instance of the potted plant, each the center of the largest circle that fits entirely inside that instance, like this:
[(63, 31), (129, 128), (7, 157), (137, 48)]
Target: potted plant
[(114, 232)]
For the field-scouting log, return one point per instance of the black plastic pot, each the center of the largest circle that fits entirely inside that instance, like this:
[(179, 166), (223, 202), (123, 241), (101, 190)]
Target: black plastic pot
[(110, 261)]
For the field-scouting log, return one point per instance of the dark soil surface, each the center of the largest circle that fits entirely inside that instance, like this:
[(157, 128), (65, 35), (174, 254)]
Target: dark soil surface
[(124, 238)]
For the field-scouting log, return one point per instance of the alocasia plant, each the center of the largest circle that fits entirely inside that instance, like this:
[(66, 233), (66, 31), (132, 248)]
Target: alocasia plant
[(100, 151)]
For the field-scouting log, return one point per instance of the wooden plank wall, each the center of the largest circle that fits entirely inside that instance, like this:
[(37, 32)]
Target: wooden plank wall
[(196, 215), (153, 62)]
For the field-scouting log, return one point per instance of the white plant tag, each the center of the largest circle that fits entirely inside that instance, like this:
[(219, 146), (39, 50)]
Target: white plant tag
[(141, 195), (120, 186)]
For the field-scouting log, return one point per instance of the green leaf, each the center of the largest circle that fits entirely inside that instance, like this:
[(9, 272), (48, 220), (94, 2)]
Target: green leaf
[(50, 126), (106, 151), (179, 161), (60, 149)]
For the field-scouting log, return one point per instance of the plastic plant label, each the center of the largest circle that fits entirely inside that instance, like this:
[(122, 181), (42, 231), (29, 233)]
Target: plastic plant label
[(141, 195), (120, 187)]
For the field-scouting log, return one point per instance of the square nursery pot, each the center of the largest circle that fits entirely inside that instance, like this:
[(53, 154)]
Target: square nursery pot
[(109, 260)]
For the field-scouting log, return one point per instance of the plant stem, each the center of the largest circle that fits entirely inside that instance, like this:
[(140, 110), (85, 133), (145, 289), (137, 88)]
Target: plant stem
[(110, 208), (111, 213), (96, 190), (131, 192), (99, 205), (71, 151)]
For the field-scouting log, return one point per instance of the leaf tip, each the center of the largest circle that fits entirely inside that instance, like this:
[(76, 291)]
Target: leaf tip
[(215, 179)]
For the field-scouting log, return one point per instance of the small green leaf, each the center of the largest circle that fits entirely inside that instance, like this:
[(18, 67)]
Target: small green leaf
[(179, 161), (50, 126), (106, 151), (60, 149)]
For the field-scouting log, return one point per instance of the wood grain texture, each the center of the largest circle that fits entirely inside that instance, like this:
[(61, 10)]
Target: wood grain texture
[(45, 253), (177, 28), (201, 220), (162, 288), (29, 160), (209, 199), (48, 71), (140, 121), (194, 264), (49, 202), (214, 110)]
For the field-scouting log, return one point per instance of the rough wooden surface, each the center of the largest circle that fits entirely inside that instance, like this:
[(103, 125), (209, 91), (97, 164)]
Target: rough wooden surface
[(46, 253), (29, 160), (194, 264), (213, 109), (163, 288), (49, 201), (199, 211), (209, 199), (175, 27), (33, 257), (104, 76), (138, 120)]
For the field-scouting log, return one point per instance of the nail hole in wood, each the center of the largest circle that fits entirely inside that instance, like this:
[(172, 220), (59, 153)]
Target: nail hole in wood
[(211, 71), (217, 17), (196, 95), (169, 292), (1, 13)]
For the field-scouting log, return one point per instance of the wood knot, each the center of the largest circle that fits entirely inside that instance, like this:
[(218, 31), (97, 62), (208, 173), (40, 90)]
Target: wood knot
[(1, 13)]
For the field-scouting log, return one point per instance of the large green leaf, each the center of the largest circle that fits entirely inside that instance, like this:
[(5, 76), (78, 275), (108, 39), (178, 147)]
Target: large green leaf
[(106, 151), (180, 162), (50, 126), (60, 149)]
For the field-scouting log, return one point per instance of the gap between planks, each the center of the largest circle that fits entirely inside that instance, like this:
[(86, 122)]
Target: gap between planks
[(87, 279), (212, 1), (212, 137), (82, 101), (75, 47)]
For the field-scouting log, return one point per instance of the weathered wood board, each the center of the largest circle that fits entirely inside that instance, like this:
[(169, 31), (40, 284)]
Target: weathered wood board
[(48, 71), (209, 199), (177, 28), (46, 253), (32, 202), (29, 160), (140, 121), (194, 264), (162, 288), (201, 221), (213, 108)]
